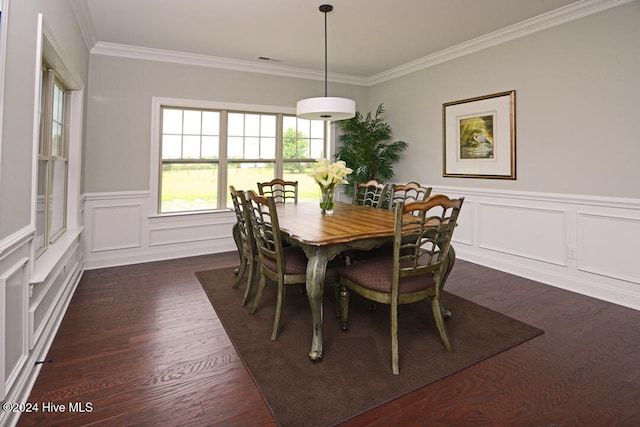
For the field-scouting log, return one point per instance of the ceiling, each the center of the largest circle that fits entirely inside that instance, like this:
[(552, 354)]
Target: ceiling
[(365, 37)]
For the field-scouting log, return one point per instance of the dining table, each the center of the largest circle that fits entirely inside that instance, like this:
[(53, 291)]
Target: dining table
[(323, 236)]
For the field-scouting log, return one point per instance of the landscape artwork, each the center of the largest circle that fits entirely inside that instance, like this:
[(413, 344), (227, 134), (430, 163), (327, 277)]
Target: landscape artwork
[(476, 137)]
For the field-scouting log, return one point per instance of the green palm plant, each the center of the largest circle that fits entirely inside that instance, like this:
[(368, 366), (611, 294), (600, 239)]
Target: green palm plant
[(365, 145)]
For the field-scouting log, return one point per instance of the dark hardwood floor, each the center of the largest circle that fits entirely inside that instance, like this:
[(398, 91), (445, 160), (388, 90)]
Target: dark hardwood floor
[(141, 345)]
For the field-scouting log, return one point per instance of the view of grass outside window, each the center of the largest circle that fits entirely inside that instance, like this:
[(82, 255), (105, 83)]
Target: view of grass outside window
[(256, 147)]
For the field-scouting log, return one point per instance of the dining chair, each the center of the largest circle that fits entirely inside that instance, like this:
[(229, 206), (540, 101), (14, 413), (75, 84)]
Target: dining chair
[(396, 193), (414, 272), (282, 191), (243, 237), (284, 265), (406, 193), (370, 193)]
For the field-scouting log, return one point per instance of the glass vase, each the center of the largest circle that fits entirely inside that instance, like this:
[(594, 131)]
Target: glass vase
[(326, 200)]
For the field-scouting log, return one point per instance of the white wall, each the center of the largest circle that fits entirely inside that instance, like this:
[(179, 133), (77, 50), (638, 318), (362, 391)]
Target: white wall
[(19, 96), (577, 105), (119, 109)]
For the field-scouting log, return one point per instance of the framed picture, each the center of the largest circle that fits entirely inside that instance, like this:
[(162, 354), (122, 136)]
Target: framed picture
[(479, 137)]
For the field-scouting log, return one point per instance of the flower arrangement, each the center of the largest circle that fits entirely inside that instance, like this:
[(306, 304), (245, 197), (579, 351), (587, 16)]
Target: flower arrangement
[(328, 176)]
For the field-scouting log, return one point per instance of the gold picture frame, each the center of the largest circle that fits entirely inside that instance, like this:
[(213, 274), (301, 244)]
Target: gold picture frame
[(479, 137)]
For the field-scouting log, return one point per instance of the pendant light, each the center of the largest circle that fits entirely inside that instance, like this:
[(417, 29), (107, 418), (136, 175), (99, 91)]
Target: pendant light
[(326, 107)]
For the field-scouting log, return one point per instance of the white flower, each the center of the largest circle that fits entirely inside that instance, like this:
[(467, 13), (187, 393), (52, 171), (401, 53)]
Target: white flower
[(329, 175)]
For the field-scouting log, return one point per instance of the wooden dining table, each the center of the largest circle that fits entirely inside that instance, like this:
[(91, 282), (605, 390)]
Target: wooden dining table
[(324, 236)]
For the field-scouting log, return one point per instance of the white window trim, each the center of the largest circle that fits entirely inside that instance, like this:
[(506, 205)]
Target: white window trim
[(42, 266), (154, 157)]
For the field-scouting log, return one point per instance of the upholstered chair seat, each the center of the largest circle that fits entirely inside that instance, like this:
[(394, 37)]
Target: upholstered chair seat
[(377, 274), (295, 261)]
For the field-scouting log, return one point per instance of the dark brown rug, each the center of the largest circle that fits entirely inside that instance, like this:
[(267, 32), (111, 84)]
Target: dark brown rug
[(355, 374)]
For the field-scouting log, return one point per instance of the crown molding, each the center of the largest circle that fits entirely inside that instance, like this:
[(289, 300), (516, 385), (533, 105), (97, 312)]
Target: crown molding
[(542, 22), (83, 16), (135, 52)]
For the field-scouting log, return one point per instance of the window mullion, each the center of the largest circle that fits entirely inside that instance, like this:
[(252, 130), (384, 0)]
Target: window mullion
[(279, 166), (182, 137), (66, 119), (47, 135), (222, 159), (47, 112), (327, 131)]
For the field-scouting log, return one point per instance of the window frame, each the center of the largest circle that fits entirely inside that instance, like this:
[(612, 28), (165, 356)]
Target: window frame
[(50, 82), (156, 161), (48, 51)]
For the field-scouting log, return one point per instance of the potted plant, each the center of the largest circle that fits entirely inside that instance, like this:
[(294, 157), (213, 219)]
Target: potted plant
[(365, 145)]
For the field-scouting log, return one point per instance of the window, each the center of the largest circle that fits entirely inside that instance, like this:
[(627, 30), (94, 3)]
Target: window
[(52, 161), (190, 154), (202, 151), (251, 149)]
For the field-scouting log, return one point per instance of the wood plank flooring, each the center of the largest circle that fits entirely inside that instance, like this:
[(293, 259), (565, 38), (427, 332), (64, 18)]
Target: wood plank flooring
[(141, 345)]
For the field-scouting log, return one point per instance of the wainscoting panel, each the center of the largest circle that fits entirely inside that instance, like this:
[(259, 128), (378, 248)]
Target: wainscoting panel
[(464, 230), (34, 295), (178, 230), (584, 244), (14, 335), (46, 297), (116, 227), (598, 249), (522, 231), (120, 231)]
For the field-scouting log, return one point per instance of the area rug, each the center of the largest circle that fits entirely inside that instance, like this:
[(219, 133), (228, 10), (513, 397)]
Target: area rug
[(355, 373)]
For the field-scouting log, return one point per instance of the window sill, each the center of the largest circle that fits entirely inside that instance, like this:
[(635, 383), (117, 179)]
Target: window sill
[(48, 261)]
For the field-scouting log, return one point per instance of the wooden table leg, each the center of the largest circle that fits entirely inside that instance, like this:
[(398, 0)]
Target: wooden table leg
[(316, 270)]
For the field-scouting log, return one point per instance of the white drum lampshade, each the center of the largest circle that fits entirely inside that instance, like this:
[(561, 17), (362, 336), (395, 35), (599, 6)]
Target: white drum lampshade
[(326, 108)]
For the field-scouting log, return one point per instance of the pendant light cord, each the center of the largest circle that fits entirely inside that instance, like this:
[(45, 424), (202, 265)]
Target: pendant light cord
[(325, 54)]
